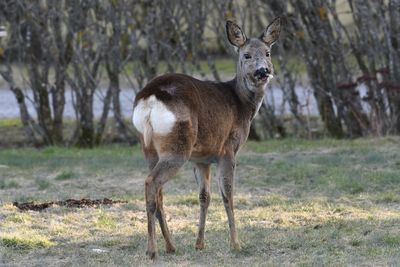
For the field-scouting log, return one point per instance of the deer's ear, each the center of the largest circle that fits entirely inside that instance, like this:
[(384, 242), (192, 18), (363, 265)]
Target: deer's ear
[(272, 32), (235, 35)]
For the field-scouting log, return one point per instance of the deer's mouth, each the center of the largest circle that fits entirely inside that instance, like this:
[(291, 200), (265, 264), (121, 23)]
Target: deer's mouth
[(262, 75), (263, 78)]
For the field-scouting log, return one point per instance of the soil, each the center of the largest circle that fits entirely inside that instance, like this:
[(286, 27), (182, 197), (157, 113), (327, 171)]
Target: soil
[(70, 203)]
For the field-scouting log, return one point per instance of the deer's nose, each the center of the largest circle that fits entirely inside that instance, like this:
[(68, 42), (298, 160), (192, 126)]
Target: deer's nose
[(261, 73)]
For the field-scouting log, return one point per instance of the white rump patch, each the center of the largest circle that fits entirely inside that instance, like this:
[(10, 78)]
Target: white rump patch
[(156, 113)]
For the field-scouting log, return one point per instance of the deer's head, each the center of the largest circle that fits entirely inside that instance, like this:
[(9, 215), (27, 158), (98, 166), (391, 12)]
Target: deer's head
[(254, 66)]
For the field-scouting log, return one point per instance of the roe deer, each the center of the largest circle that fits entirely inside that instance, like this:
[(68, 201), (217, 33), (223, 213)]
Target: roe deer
[(181, 119)]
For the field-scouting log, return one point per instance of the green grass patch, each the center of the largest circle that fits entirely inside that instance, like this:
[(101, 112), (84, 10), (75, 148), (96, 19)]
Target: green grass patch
[(25, 242), (389, 197), (104, 220), (54, 158), (392, 240), (356, 242), (43, 184), (10, 122), (186, 199), (18, 218), (273, 200), (65, 175), (111, 243), (4, 184)]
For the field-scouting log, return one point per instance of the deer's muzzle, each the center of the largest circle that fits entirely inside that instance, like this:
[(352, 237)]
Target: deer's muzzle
[(262, 74)]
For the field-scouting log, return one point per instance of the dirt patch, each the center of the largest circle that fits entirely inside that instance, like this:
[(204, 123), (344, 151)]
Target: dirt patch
[(70, 203)]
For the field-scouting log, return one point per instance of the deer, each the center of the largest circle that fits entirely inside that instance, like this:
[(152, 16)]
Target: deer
[(180, 118)]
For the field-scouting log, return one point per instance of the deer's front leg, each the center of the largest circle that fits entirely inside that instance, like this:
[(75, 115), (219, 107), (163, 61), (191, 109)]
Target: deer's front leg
[(203, 173), (226, 172)]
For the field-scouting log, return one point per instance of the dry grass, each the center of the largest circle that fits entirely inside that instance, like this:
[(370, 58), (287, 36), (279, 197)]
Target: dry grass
[(297, 202)]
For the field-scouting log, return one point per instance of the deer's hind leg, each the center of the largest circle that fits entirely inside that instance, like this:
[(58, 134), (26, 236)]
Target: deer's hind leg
[(152, 160), (160, 214), (151, 156), (161, 173), (173, 151)]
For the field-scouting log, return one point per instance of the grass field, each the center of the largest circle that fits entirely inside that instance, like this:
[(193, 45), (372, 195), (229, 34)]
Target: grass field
[(298, 202)]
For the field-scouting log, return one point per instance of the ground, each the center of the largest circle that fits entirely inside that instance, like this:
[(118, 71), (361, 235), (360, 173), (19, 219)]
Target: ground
[(298, 202)]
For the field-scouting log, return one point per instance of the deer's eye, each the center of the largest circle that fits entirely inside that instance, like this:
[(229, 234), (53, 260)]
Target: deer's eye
[(247, 56), (267, 54)]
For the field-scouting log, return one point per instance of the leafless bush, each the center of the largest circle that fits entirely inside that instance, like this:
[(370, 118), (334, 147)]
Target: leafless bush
[(78, 44)]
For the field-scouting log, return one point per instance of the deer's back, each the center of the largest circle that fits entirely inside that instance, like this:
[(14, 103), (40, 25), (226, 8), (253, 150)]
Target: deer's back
[(210, 109)]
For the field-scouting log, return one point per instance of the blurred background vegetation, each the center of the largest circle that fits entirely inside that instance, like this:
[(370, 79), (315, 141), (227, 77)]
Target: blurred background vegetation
[(71, 68)]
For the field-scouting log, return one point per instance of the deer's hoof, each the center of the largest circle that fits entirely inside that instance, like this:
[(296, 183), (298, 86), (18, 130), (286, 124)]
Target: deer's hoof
[(199, 245), (170, 248), (151, 254), (236, 246)]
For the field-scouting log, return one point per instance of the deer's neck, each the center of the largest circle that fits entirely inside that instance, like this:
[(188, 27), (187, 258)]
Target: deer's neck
[(251, 97)]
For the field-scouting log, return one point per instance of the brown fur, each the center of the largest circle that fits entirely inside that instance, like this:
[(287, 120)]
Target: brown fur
[(216, 114), (213, 121)]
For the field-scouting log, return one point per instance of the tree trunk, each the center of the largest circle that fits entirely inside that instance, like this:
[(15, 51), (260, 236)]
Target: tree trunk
[(101, 125), (86, 137)]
